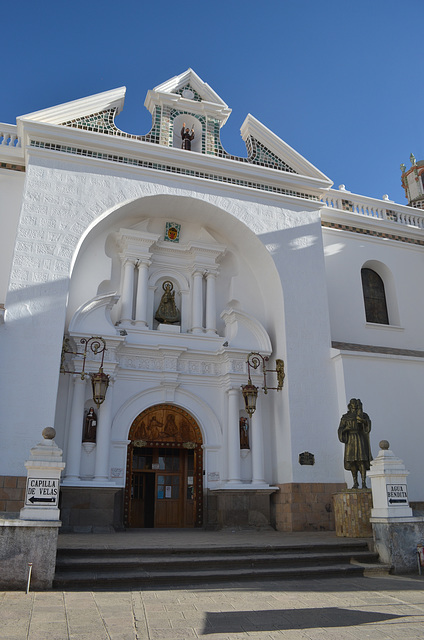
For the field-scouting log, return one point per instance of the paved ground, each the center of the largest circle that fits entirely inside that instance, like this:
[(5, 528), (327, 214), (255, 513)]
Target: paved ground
[(328, 609), (378, 608)]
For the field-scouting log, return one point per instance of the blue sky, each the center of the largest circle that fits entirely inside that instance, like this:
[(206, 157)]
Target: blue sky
[(338, 80)]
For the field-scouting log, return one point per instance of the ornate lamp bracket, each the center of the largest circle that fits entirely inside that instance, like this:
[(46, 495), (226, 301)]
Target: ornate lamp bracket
[(249, 390), (100, 380)]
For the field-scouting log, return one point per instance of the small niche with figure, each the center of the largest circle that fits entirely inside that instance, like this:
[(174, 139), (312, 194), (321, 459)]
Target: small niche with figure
[(187, 133), (167, 311), (244, 433), (90, 426)]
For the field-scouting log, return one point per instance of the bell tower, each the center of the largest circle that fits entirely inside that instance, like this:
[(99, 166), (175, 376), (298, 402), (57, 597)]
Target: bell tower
[(187, 100), (413, 182)]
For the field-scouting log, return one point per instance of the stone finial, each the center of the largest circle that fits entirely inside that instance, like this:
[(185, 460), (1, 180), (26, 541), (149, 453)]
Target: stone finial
[(412, 159), (403, 167), (48, 433), (342, 187), (384, 444)]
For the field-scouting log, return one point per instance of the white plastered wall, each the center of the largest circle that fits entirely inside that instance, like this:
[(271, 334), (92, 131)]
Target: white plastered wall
[(345, 254), (86, 196), (389, 384), (11, 188)]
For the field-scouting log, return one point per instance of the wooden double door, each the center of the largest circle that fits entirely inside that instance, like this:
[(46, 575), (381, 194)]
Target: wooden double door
[(164, 486)]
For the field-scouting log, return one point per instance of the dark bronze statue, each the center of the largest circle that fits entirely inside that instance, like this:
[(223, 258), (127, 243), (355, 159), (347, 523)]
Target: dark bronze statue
[(90, 426), (354, 430), (186, 137), (168, 312)]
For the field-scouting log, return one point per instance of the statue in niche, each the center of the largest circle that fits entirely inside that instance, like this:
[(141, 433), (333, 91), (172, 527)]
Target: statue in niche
[(90, 426), (354, 430), (168, 312), (244, 434), (186, 137)]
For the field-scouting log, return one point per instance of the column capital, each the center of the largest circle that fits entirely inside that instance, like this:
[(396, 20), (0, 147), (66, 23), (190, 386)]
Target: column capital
[(211, 273), (128, 259), (143, 263)]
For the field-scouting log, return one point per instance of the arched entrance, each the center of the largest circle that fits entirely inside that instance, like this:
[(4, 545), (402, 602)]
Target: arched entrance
[(164, 482)]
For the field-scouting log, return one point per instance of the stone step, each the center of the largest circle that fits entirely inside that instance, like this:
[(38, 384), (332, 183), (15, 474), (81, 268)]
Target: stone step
[(144, 579), (341, 545), (147, 567), (196, 563)]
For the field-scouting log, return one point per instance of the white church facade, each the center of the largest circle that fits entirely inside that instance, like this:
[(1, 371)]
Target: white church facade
[(180, 260)]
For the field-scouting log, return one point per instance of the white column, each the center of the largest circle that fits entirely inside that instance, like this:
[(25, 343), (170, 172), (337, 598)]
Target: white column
[(127, 291), (197, 309), (142, 288), (104, 424), (73, 458), (233, 436), (211, 302), (257, 445)]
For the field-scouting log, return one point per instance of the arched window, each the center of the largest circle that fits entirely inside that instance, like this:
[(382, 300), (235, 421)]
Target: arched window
[(374, 297)]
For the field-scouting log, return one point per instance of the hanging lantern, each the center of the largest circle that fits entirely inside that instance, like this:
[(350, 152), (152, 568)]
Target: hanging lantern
[(100, 383), (250, 393)]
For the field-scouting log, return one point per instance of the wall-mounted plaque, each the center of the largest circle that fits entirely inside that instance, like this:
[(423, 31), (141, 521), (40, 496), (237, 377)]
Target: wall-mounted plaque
[(306, 458)]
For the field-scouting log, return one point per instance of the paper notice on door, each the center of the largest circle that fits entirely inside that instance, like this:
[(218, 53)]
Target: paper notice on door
[(168, 492)]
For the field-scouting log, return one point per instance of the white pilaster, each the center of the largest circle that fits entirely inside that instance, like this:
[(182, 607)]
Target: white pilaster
[(104, 424), (142, 289), (127, 290), (233, 437), (75, 430), (197, 309), (257, 447), (210, 302)]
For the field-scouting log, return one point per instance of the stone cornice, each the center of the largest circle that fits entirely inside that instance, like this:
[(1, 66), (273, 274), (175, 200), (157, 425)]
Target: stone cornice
[(210, 109), (71, 138)]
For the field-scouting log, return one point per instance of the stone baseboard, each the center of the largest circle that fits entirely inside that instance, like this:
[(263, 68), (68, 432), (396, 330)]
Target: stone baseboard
[(12, 493), (238, 508), (304, 506), (87, 510)]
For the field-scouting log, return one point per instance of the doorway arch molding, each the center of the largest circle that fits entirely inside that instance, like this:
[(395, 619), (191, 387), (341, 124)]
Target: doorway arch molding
[(201, 411)]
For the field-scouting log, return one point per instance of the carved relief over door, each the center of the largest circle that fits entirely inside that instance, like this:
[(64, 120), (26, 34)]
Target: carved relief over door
[(164, 485)]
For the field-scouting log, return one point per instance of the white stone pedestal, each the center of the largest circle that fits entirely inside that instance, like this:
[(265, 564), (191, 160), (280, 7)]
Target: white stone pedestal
[(396, 531), (43, 480)]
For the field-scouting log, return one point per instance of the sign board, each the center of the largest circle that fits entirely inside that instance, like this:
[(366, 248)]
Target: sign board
[(396, 494), (43, 492)]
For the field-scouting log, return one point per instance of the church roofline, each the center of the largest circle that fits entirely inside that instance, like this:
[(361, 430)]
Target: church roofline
[(253, 127), (191, 77), (113, 99)]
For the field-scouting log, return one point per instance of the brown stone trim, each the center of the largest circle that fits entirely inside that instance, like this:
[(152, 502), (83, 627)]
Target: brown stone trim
[(371, 232), (368, 348), (12, 167), (304, 506), (12, 493)]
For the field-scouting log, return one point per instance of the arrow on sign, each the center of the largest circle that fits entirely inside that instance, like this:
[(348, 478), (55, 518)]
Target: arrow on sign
[(32, 499), (402, 500)]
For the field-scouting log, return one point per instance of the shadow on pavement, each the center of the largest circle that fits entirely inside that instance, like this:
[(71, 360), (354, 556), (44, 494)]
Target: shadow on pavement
[(286, 619)]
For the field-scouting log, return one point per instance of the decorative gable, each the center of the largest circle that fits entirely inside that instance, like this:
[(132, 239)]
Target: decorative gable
[(184, 100)]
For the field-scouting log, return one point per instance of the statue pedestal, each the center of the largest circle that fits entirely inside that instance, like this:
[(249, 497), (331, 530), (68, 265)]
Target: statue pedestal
[(169, 328), (352, 513)]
